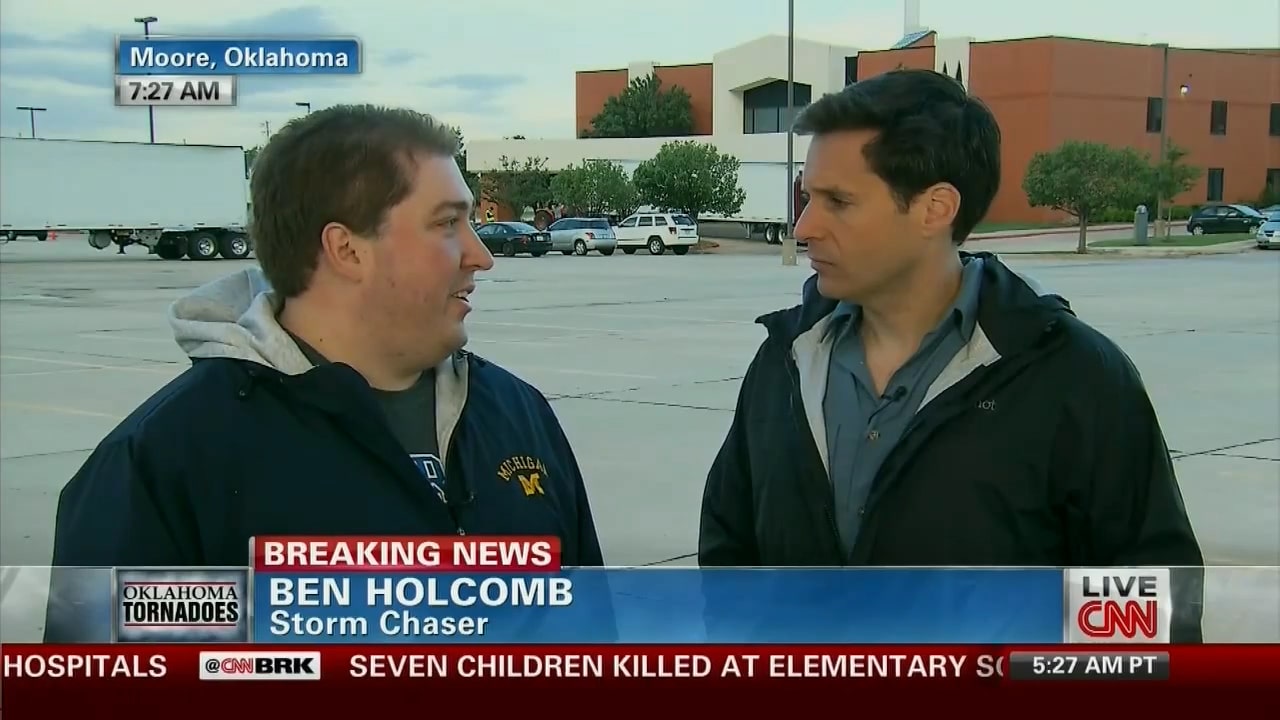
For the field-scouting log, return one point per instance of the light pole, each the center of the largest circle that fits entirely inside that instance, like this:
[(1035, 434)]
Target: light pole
[(789, 241), (32, 111), (151, 110), (305, 105), (1161, 230)]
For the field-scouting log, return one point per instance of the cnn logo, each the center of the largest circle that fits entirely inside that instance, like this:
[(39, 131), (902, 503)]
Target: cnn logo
[(1118, 605)]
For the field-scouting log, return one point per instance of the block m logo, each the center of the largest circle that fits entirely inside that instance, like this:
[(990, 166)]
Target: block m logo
[(531, 484)]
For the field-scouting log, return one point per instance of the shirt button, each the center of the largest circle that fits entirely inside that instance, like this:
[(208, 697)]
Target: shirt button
[(873, 435)]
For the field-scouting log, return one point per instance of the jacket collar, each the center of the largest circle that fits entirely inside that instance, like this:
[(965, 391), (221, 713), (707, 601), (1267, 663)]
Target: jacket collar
[(1013, 310)]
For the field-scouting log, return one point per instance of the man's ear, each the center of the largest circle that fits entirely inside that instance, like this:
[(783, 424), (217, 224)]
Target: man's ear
[(343, 251), (941, 206)]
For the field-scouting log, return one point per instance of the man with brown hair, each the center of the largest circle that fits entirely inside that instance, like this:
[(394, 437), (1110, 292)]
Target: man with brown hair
[(329, 393)]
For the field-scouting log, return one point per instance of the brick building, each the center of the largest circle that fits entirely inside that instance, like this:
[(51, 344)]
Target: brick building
[(1223, 105)]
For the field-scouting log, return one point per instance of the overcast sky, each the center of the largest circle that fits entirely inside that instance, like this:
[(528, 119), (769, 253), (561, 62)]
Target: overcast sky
[(505, 67)]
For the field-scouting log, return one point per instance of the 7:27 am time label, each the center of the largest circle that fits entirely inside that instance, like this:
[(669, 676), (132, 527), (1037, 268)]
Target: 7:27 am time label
[(176, 90)]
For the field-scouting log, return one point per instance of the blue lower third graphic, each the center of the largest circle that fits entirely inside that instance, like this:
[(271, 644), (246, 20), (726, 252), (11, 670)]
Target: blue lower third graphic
[(175, 605), (664, 606)]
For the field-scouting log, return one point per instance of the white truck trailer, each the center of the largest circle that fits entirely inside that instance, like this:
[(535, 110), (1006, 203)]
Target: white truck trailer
[(178, 200), (764, 209)]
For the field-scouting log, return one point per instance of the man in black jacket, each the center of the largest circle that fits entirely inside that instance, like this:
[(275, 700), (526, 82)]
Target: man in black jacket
[(329, 393), (924, 406)]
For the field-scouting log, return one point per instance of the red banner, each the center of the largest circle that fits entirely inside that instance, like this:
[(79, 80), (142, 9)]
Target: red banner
[(250, 681)]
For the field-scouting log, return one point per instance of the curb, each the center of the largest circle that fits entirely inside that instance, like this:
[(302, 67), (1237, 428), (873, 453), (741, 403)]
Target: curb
[(1231, 248), (1038, 232)]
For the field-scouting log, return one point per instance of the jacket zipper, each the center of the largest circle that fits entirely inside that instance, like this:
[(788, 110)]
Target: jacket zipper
[(802, 427)]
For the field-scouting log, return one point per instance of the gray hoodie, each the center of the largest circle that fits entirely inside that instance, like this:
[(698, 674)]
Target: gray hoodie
[(235, 317)]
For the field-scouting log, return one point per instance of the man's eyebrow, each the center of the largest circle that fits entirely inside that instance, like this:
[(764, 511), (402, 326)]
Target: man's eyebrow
[(831, 192), (455, 205)]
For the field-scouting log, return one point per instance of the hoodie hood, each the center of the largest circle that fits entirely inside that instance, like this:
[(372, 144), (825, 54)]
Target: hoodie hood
[(235, 317)]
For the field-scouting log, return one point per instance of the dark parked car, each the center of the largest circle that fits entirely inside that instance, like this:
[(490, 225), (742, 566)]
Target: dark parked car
[(514, 238), (1212, 219)]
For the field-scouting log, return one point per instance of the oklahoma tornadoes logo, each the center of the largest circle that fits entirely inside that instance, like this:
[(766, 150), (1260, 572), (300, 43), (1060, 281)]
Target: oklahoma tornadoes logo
[(181, 605), (433, 470)]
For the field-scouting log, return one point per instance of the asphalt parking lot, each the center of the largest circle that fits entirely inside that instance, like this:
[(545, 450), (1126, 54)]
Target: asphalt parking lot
[(642, 357)]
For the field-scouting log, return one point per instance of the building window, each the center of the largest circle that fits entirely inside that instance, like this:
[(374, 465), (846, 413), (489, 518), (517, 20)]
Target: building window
[(1215, 185), (1275, 119), (1155, 114), (1273, 179), (764, 109), (1218, 118), (851, 71)]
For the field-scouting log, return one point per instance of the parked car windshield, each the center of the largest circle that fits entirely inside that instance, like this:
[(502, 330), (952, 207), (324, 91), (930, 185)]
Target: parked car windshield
[(597, 224), (1247, 210), (682, 219), (1274, 217), (522, 227)]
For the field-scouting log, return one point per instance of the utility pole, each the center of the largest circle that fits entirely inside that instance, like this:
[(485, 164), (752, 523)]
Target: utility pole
[(32, 112), (151, 109), (266, 126), (789, 241), (1162, 229), (304, 105)]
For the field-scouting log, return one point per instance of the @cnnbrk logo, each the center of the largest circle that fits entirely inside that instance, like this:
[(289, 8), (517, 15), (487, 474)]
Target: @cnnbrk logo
[(260, 665), (1118, 605)]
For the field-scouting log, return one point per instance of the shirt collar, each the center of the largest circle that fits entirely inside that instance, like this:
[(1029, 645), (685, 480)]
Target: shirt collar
[(963, 311)]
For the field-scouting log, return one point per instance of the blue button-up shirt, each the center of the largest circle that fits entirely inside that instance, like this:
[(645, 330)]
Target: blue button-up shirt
[(863, 426)]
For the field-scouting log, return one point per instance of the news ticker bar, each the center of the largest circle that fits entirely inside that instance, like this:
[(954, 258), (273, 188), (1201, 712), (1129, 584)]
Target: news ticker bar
[(214, 680), (202, 91)]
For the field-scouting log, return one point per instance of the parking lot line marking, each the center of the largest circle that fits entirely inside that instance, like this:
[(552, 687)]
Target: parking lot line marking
[(595, 373), (58, 409), (87, 366), (540, 327), (108, 335)]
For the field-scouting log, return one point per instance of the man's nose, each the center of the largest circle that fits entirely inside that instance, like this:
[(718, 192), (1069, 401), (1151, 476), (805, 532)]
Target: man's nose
[(475, 254), (804, 224)]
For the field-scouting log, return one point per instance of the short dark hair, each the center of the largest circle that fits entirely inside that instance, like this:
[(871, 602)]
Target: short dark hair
[(930, 130), (348, 164)]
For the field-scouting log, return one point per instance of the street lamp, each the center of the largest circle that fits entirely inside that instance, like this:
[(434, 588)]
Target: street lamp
[(305, 105), (32, 111), (151, 110), (789, 242), (1164, 140)]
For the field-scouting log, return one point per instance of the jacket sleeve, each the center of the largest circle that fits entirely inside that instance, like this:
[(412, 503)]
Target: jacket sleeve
[(726, 533), (108, 516), (1135, 516)]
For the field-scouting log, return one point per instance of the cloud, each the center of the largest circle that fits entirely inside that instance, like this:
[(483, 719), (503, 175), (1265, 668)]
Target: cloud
[(398, 57), (476, 82)]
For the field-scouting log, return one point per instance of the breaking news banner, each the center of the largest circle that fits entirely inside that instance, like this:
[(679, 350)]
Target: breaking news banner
[(168, 55), (103, 681), (502, 590)]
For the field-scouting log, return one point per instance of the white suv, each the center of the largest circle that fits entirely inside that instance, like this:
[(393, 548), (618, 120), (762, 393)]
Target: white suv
[(657, 232)]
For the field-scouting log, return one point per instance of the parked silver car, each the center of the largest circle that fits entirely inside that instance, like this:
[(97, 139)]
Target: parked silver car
[(582, 235), (1269, 231)]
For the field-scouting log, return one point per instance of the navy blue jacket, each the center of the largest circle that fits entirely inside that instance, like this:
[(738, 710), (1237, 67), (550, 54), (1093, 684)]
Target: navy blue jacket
[(252, 441)]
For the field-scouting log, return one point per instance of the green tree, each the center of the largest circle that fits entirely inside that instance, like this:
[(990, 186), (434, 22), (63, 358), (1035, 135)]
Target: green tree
[(597, 187), (1086, 179), (518, 185), (473, 179), (1172, 177), (645, 109), (690, 177)]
